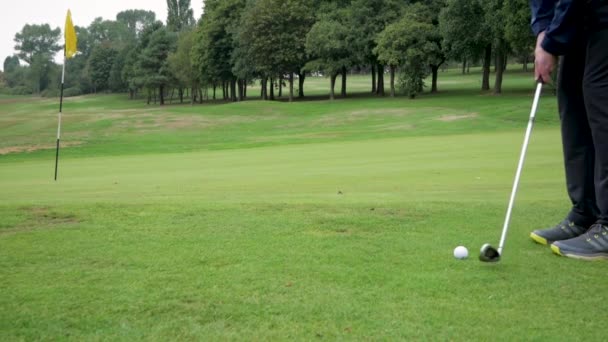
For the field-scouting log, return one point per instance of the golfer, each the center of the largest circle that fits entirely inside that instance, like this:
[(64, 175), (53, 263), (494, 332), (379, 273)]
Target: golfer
[(577, 32)]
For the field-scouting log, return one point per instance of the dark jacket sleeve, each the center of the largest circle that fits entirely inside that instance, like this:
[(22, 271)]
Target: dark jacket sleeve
[(564, 27), (560, 20), (542, 14)]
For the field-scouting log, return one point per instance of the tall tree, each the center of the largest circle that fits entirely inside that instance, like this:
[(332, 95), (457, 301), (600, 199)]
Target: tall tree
[(463, 38), (39, 73), (215, 42), (469, 32), (408, 43), (274, 33), (36, 45), (11, 63), (14, 73), (136, 20), (434, 49), (392, 44), (180, 16), (109, 31), (181, 66), (367, 19), (132, 72), (340, 13), (328, 47), (153, 61), (100, 66), (496, 21), (37, 41), (517, 30), (116, 82)]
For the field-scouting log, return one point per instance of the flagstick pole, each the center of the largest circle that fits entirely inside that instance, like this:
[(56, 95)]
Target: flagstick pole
[(59, 116)]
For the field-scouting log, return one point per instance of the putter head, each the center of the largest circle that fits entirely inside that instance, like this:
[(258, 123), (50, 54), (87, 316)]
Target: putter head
[(489, 254)]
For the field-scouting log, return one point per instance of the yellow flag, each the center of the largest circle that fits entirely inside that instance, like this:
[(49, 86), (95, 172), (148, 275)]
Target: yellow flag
[(70, 37)]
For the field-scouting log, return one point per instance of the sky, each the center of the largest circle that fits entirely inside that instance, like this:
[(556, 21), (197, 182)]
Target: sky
[(53, 12)]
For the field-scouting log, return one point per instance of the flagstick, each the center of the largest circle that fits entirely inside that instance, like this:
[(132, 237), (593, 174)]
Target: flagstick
[(59, 118)]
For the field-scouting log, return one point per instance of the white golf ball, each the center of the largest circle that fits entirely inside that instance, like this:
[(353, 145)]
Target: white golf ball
[(461, 252)]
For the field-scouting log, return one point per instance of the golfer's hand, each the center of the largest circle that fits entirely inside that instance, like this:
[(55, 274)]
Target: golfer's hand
[(544, 62)]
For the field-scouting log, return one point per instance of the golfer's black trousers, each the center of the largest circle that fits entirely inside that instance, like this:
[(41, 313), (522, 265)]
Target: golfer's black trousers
[(583, 107)]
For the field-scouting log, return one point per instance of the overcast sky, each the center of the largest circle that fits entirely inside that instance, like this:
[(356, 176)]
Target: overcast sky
[(52, 12)]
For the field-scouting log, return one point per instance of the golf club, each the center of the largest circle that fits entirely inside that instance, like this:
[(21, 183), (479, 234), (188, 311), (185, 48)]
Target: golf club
[(489, 253)]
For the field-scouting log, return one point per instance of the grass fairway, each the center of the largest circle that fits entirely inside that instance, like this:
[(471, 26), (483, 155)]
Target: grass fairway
[(276, 221)]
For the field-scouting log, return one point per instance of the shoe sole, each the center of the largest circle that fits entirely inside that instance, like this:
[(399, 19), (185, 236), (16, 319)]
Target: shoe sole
[(539, 239), (559, 252)]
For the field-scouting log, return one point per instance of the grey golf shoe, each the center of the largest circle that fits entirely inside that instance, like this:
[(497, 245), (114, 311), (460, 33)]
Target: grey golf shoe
[(562, 231), (593, 245)]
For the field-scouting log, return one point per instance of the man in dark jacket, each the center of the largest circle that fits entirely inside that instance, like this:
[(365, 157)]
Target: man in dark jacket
[(577, 31)]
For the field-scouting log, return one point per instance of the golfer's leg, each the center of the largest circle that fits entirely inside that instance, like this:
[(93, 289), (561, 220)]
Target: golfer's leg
[(579, 152), (595, 88)]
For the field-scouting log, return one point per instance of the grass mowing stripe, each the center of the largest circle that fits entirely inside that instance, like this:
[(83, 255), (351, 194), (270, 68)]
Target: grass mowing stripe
[(430, 167)]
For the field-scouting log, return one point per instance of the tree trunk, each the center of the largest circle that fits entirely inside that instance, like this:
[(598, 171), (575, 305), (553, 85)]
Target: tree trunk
[(380, 88), (344, 72), (373, 79), (162, 95), (181, 94), (245, 89), (214, 88), (332, 86), (280, 86), (291, 87), (265, 88), (240, 90), (485, 83), (393, 69), (301, 78), (526, 64), (500, 62), (271, 89), (434, 71), (464, 66), (233, 90)]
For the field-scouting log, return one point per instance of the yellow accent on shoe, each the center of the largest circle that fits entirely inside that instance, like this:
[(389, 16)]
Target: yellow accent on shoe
[(538, 239), (556, 250), (582, 257)]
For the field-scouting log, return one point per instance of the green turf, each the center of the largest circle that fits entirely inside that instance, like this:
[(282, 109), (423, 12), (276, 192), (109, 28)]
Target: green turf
[(277, 221)]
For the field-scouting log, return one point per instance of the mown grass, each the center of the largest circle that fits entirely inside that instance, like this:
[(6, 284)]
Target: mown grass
[(277, 221), (111, 125)]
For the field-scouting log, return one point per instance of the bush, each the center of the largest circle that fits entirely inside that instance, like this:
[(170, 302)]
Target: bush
[(413, 73), (19, 90), (50, 93), (73, 91)]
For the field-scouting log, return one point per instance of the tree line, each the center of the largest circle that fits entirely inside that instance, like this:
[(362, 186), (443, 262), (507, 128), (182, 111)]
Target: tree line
[(276, 44)]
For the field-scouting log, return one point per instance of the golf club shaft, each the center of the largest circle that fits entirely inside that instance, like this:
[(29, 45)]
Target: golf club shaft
[(522, 158)]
